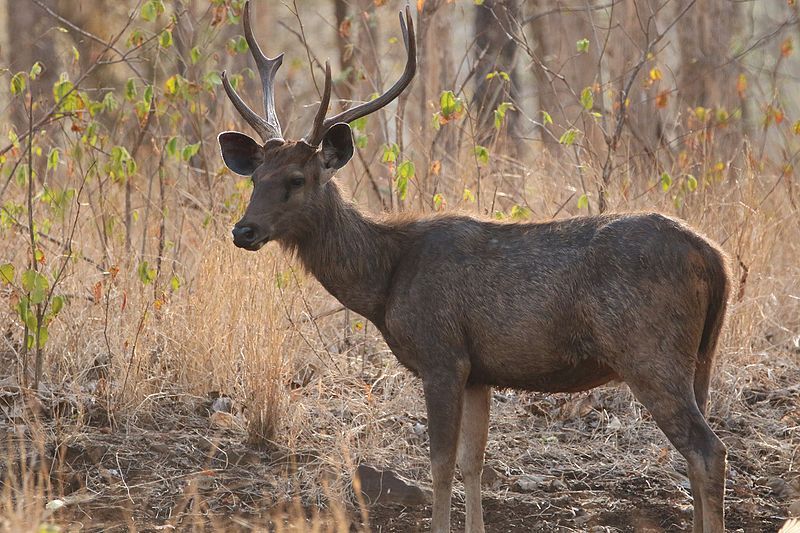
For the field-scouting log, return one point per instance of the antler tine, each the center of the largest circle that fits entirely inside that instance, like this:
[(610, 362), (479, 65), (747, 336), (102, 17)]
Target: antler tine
[(259, 124), (267, 67), (317, 129), (349, 115), (404, 27)]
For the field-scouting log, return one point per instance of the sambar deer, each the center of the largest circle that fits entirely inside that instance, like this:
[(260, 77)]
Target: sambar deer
[(469, 304)]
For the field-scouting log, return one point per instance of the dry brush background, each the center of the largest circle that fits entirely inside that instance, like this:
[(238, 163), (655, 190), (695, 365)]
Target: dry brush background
[(154, 377)]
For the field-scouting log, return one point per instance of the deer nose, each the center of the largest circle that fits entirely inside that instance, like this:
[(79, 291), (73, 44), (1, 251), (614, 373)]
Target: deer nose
[(243, 235)]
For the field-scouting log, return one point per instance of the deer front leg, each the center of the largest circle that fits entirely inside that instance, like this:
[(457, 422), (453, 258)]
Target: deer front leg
[(444, 392), (471, 445)]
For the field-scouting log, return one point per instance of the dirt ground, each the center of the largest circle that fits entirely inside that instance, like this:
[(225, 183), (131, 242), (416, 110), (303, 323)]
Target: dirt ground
[(584, 462)]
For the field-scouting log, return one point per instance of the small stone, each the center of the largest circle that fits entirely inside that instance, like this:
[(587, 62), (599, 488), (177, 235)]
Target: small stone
[(529, 483), (418, 431), (55, 505), (386, 487), (779, 487), (558, 485), (794, 509), (223, 404), (581, 518), (614, 424)]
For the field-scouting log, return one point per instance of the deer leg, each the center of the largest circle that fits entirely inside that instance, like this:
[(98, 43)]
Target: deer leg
[(444, 392), (671, 401), (471, 445), (702, 377)]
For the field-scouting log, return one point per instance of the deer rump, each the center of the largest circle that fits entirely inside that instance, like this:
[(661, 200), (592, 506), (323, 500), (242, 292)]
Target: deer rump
[(555, 307)]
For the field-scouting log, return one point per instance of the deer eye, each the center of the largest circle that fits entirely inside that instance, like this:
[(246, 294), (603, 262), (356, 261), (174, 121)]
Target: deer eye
[(297, 182)]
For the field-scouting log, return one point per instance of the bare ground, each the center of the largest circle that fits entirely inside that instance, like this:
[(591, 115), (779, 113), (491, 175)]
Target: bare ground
[(584, 462)]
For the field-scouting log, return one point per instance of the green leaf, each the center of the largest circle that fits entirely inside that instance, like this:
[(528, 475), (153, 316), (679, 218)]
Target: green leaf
[(582, 46), (498, 73), (666, 181), (148, 11), (568, 137), (36, 285), (194, 55), (172, 146), (18, 83), (52, 158), (359, 124), (583, 202), (213, 78), (390, 153), (64, 92), (240, 44), (148, 95), (437, 120), (519, 212), (438, 201), (146, 274), (405, 171), (122, 164), (482, 154), (175, 282), (36, 69), (468, 196), (189, 151), (691, 183), (152, 9), (165, 39), (25, 312), (451, 106), (130, 90), (546, 118), (587, 99), (110, 101), (500, 113), (7, 273), (57, 304)]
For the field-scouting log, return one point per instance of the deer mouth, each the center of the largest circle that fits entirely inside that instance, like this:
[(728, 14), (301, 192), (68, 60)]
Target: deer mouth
[(252, 246)]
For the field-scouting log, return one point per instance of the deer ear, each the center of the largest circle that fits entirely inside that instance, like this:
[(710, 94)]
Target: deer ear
[(241, 153), (337, 148)]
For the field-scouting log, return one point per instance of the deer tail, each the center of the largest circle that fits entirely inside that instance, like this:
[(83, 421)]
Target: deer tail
[(718, 291)]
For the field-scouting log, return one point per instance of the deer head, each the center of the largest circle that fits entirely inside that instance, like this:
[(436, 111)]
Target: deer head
[(289, 175)]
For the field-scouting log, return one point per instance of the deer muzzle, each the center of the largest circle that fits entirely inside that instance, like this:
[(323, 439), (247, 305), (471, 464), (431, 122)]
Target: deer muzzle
[(249, 237)]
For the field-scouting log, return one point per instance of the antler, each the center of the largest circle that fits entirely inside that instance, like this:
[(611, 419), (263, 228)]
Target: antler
[(269, 127), (322, 124)]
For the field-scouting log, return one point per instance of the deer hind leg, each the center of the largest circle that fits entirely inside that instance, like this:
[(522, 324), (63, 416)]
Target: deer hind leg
[(444, 392), (702, 378), (670, 398), (471, 445)]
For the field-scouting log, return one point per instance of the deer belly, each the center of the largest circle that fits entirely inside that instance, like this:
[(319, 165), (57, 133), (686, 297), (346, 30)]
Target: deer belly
[(540, 373)]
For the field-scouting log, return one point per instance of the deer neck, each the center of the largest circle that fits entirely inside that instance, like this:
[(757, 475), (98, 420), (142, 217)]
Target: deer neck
[(352, 256)]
